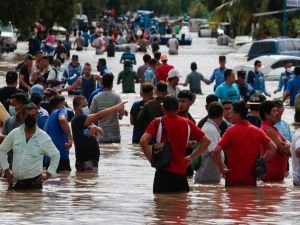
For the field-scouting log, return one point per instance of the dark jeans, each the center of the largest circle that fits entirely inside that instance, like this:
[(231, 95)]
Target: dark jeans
[(167, 182), (64, 165), (31, 183)]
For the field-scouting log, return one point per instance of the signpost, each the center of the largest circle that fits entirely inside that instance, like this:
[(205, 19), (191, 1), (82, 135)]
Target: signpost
[(292, 3)]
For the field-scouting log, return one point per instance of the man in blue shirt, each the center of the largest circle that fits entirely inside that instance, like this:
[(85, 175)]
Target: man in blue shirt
[(293, 87), (102, 67), (150, 73), (257, 79), (285, 77), (72, 73), (245, 89), (218, 73), (58, 129), (228, 90)]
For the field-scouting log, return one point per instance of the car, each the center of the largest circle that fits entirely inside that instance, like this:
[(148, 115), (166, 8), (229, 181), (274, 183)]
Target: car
[(8, 37), (239, 56), (241, 40), (275, 46), (59, 32), (272, 65)]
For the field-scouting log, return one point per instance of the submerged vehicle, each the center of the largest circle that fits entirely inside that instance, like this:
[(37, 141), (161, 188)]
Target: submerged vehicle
[(8, 37)]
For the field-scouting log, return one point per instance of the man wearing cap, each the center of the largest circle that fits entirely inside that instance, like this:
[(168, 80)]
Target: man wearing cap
[(245, 89), (179, 131), (285, 77), (127, 55), (194, 80), (293, 87), (163, 70), (36, 97), (228, 90), (257, 79), (11, 80), (72, 73), (173, 45), (254, 104), (218, 73), (173, 81), (25, 72), (127, 77)]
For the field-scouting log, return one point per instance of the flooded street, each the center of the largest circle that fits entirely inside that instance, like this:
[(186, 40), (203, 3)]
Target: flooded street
[(121, 191)]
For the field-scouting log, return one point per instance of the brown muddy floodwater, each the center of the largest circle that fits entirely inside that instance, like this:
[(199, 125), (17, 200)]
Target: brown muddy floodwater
[(120, 192)]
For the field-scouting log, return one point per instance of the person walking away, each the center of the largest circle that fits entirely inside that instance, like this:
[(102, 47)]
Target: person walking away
[(86, 38), (152, 109), (173, 45), (208, 171), (79, 42), (127, 77), (150, 73), (218, 73), (257, 79), (173, 179), (86, 83), (104, 100), (163, 70), (241, 144), (285, 77), (277, 166), (147, 95), (67, 44), (29, 144), (111, 48), (194, 79), (293, 87), (228, 90), (173, 81), (141, 69), (58, 129), (85, 133)]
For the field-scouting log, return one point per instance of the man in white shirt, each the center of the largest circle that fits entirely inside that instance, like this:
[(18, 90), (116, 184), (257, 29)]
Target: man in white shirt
[(209, 171), (173, 81), (29, 145), (173, 45)]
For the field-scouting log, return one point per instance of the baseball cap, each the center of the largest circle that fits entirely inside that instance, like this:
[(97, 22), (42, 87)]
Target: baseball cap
[(75, 57), (222, 57), (256, 99), (38, 89), (28, 57), (173, 73), (164, 58)]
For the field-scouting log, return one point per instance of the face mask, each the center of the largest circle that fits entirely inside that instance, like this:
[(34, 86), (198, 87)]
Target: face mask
[(259, 69), (289, 70), (30, 121), (86, 110), (12, 110)]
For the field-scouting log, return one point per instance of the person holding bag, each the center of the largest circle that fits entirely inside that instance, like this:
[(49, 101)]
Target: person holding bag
[(173, 132)]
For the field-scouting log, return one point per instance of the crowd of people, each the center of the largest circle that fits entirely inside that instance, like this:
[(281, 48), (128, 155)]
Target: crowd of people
[(242, 138)]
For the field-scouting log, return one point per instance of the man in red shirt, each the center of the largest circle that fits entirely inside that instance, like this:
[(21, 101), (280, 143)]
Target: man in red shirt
[(276, 167), (163, 70), (241, 144), (179, 131)]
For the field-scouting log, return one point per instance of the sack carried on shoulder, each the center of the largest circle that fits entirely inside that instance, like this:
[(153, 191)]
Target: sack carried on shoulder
[(161, 151)]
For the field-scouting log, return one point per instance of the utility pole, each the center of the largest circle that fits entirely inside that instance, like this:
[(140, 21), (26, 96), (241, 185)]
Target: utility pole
[(284, 19)]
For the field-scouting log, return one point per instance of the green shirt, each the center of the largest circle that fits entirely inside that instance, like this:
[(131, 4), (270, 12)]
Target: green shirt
[(127, 77)]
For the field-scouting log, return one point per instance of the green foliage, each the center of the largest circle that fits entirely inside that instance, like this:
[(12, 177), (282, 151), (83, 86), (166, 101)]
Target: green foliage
[(293, 28), (269, 26), (93, 8), (197, 9)]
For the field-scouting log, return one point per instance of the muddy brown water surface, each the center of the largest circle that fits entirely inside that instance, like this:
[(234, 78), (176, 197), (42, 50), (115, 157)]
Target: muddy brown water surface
[(120, 192)]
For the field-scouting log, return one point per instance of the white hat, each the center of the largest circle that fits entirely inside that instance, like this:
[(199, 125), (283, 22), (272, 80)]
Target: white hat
[(173, 73)]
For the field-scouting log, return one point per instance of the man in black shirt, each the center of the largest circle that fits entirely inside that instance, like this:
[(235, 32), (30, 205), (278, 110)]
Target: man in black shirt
[(209, 99), (24, 76), (11, 80), (84, 131)]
